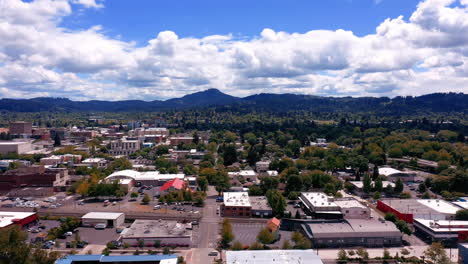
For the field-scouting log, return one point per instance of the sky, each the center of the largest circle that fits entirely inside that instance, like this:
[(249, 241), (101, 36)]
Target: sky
[(156, 49)]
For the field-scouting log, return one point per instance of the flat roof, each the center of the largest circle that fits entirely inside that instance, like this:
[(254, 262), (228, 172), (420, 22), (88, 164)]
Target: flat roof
[(6, 218), (349, 203), (259, 203), (102, 215), (440, 206), (156, 228), (360, 184), (163, 259), (307, 256), (408, 206), (443, 225), (318, 199), (145, 175), (352, 228), (236, 199), (462, 205)]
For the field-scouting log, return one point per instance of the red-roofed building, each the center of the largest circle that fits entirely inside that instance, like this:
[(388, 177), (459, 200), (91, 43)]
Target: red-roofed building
[(273, 224), (175, 184)]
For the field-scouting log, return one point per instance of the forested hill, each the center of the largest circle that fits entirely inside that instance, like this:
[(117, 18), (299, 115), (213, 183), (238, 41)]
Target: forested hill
[(437, 103)]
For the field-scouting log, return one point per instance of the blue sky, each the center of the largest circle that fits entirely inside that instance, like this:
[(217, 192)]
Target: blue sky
[(141, 20), (155, 49)]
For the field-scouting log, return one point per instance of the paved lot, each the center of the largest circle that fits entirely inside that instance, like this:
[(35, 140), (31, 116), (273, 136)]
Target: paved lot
[(246, 233)]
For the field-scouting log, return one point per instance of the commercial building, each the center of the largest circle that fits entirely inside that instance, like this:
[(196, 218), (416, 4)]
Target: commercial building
[(21, 128), (5, 164), (445, 231), (149, 231), (236, 204), (463, 253), (260, 206), (262, 166), (172, 185), (393, 174), (108, 218), (175, 141), (247, 175), (409, 209), (353, 209), (95, 162), (124, 147), (320, 205), (114, 259), (359, 186), (18, 147), (17, 218), (149, 177), (352, 233), (306, 256), (35, 176)]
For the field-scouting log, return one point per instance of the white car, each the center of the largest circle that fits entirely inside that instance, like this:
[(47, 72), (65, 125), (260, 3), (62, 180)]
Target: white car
[(68, 233)]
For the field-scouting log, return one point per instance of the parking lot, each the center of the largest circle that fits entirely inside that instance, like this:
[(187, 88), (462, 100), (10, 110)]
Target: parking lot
[(246, 233)]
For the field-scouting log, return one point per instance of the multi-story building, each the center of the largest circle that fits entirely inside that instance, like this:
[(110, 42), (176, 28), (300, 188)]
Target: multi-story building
[(236, 204), (21, 128), (95, 162), (448, 232), (353, 209), (260, 206), (175, 141), (18, 147), (124, 146), (319, 205), (35, 176)]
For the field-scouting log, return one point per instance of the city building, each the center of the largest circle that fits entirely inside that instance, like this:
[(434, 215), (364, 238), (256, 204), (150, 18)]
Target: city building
[(409, 209), (463, 253), (21, 128), (175, 141), (35, 176), (393, 174), (110, 219), (247, 175), (17, 218), (18, 147), (236, 204), (95, 162), (149, 177), (114, 259), (172, 185), (353, 209), (320, 205), (262, 166), (448, 232), (359, 186), (5, 164), (260, 206), (149, 231), (124, 146), (296, 256), (352, 233), (51, 161)]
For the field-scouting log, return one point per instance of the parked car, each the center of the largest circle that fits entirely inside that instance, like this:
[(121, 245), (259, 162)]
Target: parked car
[(100, 226), (157, 207), (69, 233), (213, 254)]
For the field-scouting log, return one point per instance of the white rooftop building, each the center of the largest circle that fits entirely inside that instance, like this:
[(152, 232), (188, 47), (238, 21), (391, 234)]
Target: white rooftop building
[(318, 202), (9, 218), (108, 218), (307, 256), (440, 206), (236, 199)]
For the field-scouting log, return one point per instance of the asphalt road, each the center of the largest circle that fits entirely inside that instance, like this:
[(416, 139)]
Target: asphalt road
[(208, 231)]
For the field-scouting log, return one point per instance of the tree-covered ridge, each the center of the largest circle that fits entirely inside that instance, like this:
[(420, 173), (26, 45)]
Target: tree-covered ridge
[(438, 102)]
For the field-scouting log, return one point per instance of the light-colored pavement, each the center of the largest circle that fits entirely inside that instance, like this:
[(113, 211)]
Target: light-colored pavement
[(416, 251), (208, 232), (95, 249)]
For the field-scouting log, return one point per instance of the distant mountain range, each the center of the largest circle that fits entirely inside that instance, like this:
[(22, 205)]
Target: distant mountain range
[(437, 102)]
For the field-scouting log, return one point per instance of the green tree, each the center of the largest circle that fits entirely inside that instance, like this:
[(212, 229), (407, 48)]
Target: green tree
[(265, 236), (202, 183), (236, 246), (146, 199), (300, 242), (362, 253), (229, 154), (286, 245), (57, 140), (377, 196), (342, 255), (256, 246), (367, 183), (134, 195), (276, 202), (378, 186), (226, 233), (435, 254), (462, 215), (398, 186)]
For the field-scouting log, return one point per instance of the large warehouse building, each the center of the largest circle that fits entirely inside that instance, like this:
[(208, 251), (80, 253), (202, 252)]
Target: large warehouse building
[(352, 233), (17, 218), (409, 209), (167, 232), (108, 218)]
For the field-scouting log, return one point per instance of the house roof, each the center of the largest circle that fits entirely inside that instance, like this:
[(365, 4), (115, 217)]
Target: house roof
[(175, 183), (274, 221)]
